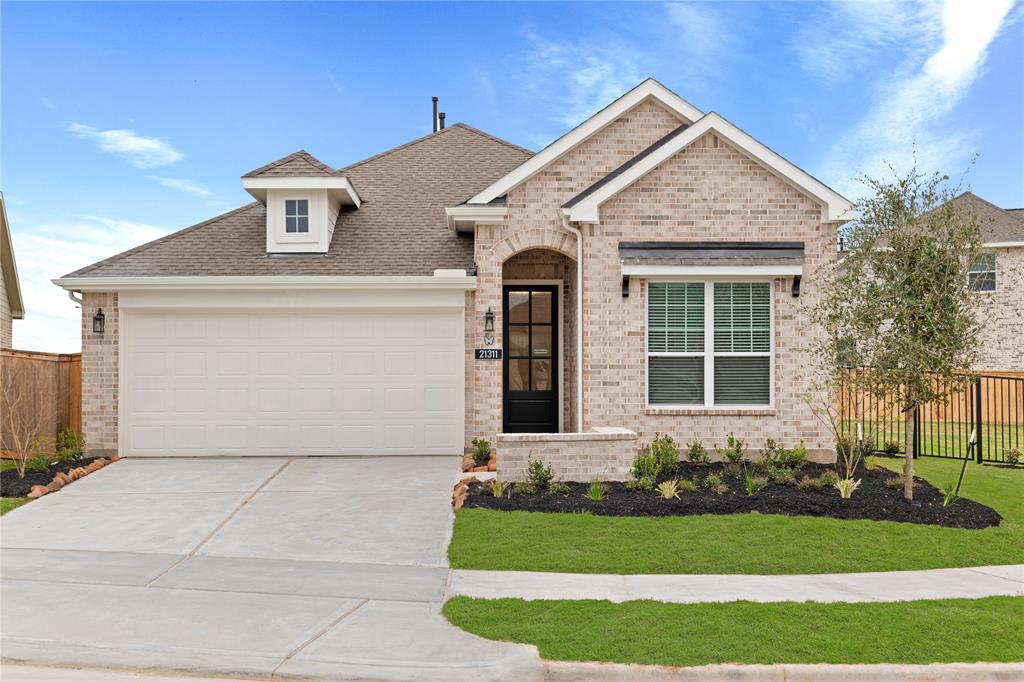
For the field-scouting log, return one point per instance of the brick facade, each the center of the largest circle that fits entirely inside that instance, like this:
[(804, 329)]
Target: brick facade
[(1002, 315), (100, 374), (576, 456)]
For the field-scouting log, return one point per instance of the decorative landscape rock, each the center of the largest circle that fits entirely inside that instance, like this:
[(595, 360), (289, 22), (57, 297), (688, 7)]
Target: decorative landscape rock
[(39, 483)]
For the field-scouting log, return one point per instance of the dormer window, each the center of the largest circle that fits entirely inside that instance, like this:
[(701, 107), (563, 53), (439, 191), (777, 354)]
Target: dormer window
[(296, 215)]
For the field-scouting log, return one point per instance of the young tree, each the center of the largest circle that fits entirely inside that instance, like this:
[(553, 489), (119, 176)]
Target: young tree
[(899, 306), (26, 407)]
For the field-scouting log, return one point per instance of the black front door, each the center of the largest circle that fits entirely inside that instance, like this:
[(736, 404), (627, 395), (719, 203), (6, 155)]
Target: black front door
[(531, 359)]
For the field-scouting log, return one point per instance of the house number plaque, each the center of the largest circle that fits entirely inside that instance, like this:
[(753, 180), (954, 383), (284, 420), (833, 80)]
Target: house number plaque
[(488, 354)]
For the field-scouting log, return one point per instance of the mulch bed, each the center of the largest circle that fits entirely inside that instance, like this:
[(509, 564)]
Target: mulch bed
[(871, 501), (12, 486)]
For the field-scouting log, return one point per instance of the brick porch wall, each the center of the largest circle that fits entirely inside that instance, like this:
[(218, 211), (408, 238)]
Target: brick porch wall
[(100, 374), (575, 456)]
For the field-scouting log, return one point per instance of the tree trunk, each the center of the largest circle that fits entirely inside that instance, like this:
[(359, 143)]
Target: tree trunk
[(910, 418)]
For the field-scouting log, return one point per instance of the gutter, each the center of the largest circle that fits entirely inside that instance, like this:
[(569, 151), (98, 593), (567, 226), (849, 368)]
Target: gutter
[(445, 279), (579, 316)]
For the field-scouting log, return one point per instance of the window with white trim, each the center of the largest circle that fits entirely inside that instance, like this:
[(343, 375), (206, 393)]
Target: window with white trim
[(982, 275), (709, 343), (296, 215)]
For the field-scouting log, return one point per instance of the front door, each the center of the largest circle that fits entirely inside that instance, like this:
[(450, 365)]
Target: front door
[(531, 359)]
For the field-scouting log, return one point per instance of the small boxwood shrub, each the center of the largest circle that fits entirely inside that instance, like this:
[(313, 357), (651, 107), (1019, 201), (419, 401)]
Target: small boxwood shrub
[(696, 453), (539, 475), (664, 451)]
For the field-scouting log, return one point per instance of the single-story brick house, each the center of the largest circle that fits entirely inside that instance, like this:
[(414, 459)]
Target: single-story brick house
[(648, 272)]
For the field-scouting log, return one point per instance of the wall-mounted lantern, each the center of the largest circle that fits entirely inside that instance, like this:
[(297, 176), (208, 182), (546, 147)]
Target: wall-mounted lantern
[(489, 321), (796, 286), (99, 321)]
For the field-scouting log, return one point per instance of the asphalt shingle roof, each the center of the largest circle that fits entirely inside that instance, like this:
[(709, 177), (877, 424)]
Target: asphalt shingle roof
[(400, 228), (299, 164), (997, 224)]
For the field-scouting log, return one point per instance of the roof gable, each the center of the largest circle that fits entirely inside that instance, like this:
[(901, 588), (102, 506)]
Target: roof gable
[(998, 225), (9, 266), (297, 164), (585, 206), (648, 89)]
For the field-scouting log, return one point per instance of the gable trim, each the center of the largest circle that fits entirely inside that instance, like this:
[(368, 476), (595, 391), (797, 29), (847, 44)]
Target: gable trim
[(649, 89), (835, 207)]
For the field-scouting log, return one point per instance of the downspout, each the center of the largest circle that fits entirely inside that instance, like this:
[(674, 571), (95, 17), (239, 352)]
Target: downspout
[(71, 295), (579, 318)]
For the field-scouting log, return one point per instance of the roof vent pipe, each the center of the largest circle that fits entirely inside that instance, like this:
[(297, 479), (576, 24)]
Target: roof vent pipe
[(435, 113), (440, 118)]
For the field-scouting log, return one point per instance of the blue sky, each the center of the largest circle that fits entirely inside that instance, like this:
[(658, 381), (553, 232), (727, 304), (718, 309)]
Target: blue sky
[(124, 121)]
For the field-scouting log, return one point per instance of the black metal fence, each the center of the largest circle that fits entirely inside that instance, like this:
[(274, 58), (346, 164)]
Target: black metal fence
[(989, 406)]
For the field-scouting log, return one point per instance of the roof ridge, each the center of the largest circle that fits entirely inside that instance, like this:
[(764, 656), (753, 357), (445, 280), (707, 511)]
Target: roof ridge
[(494, 137), (167, 237), (986, 201), (424, 138), (301, 154)]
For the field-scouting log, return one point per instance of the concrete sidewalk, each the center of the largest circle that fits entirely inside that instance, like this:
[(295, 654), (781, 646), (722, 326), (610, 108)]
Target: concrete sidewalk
[(943, 583)]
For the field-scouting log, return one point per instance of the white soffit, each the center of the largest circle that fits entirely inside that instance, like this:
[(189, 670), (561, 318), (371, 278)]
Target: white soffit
[(834, 206), (337, 186), (649, 89)]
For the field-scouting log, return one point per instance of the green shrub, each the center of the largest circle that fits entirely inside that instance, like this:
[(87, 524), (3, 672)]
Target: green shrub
[(596, 492), (687, 486), (696, 453), (783, 477), (795, 457), (828, 479), (810, 483), (644, 466), (712, 480), (558, 488), (38, 463), (734, 470), (733, 452), (70, 446), (751, 483), (1012, 456), (481, 451), (539, 475), (891, 448), (643, 484), (523, 488), (664, 451)]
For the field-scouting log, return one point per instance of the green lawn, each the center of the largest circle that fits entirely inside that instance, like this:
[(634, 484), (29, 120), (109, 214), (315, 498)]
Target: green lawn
[(747, 543), (954, 630), (9, 503)]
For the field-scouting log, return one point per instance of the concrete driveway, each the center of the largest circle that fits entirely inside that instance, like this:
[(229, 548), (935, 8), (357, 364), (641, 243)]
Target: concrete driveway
[(331, 568)]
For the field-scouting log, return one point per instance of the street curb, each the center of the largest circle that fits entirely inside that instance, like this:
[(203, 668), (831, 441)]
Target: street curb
[(561, 671)]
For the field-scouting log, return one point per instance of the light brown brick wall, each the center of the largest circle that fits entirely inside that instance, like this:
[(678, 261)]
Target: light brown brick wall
[(1002, 315), (582, 458), (100, 374), (708, 192)]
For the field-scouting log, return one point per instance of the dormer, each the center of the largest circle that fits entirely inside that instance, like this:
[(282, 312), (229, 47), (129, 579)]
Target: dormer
[(303, 198)]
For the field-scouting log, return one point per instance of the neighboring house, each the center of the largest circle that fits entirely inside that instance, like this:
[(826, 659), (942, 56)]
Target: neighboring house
[(998, 278), (11, 305), (648, 272)]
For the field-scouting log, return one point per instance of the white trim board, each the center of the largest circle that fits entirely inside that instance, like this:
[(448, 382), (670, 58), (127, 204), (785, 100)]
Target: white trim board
[(649, 89), (338, 186), (441, 281), (641, 270), (835, 207)]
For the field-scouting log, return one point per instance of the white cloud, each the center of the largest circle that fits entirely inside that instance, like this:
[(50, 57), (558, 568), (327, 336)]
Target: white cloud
[(141, 152), (49, 250), (182, 185), (701, 30), (911, 103), (571, 81)]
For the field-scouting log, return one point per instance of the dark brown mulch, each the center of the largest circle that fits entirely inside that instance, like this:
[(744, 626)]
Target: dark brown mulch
[(871, 501), (12, 486)]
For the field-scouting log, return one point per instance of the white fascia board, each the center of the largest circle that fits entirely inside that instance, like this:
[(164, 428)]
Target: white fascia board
[(464, 218), (1001, 245), (642, 270), (442, 281), (338, 186), (9, 266), (835, 206), (650, 88)]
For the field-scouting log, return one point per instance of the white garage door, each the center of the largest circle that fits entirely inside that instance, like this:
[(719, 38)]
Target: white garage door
[(308, 382)]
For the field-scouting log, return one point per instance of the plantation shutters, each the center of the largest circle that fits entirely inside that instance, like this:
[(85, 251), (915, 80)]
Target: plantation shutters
[(743, 343), (675, 342), (709, 343)]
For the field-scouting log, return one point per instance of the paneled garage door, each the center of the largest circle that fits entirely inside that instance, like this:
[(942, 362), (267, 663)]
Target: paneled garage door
[(308, 382)]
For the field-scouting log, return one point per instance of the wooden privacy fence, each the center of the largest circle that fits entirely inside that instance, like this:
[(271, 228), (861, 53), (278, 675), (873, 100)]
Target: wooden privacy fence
[(49, 385)]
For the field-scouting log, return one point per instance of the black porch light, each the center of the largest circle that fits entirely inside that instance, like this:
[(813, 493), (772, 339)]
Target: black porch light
[(99, 321), (489, 321)]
